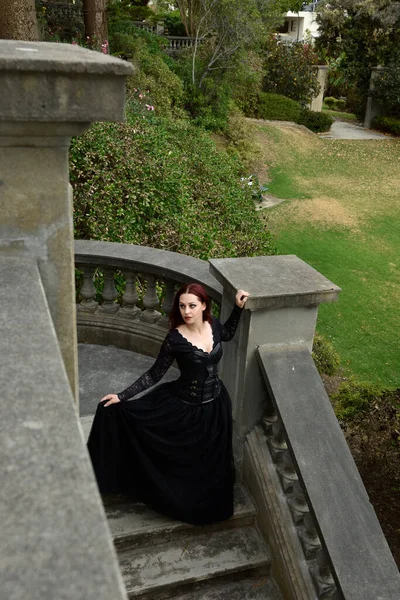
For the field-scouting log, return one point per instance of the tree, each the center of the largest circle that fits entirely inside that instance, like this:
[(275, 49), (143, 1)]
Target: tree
[(18, 20), (95, 16), (356, 35)]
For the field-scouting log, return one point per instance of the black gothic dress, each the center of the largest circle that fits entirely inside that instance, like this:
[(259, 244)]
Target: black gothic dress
[(172, 447)]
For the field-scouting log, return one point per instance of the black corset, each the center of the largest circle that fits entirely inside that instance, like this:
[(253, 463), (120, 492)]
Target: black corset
[(199, 383)]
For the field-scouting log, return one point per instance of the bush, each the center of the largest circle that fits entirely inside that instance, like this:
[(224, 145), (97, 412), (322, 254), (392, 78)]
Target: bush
[(246, 81), (354, 397), (330, 101), (387, 124), (325, 357), (290, 70), (387, 89), (275, 107), (316, 121), (340, 104), (162, 183)]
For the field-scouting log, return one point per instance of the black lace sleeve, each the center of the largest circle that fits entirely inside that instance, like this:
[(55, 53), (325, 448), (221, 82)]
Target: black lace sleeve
[(229, 327), (154, 374)]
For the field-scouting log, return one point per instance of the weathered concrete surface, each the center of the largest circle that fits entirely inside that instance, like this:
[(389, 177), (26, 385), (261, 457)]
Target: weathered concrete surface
[(187, 560), (342, 130), (49, 93), (54, 540), (134, 524), (345, 519), (107, 370), (322, 72), (62, 83), (281, 311), (256, 588)]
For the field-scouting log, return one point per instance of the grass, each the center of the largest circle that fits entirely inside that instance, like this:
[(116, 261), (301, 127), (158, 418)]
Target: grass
[(337, 114), (342, 216)]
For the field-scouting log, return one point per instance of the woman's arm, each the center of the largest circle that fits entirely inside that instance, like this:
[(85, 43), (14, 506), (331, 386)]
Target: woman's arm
[(151, 377), (230, 326)]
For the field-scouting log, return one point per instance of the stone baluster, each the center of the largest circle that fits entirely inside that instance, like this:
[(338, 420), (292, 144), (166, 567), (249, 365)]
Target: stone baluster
[(287, 472), (268, 422), (322, 576), (297, 503), (150, 302), (130, 296), (109, 294), (167, 302), (88, 291), (277, 443), (309, 537)]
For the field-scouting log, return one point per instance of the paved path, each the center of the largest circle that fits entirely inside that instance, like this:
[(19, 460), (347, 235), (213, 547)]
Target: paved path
[(343, 130)]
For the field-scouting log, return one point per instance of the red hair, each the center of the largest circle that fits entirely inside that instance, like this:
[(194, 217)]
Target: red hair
[(175, 317)]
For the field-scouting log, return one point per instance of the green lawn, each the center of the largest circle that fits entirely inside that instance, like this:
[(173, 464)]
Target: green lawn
[(342, 216), (337, 114)]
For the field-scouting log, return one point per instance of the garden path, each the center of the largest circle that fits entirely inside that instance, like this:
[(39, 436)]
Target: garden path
[(343, 130)]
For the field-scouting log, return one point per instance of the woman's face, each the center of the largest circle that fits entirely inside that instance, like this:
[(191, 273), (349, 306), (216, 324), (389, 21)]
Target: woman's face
[(191, 308)]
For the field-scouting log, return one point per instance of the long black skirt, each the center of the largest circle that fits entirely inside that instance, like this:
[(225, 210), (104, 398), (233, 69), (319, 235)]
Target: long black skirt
[(175, 457)]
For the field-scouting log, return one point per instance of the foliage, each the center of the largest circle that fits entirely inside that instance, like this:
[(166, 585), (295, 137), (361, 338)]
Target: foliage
[(387, 89), (241, 141), (290, 70), (246, 80), (128, 10), (330, 101), (354, 397), (161, 183), (315, 121), (325, 357), (387, 124), (173, 23), (153, 75), (357, 35), (277, 107)]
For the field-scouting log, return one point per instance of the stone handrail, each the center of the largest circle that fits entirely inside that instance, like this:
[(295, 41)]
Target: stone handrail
[(341, 537), (55, 541), (149, 276)]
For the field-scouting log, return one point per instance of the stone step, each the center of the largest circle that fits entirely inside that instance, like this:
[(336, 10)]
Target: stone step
[(250, 588), (164, 570), (134, 524)]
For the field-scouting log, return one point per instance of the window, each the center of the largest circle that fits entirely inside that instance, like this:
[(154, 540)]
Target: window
[(294, 25)]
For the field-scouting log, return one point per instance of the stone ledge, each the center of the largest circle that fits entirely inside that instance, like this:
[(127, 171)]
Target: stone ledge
[(55, 542), (274, 281), (51, 57)]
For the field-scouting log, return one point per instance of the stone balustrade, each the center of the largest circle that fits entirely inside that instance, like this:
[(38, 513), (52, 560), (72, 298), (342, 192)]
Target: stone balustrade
[(136, 285)]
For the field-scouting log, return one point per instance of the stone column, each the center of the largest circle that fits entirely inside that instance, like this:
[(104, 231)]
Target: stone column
[(49, 93), (281, 311), (372, 109), (316, 103)]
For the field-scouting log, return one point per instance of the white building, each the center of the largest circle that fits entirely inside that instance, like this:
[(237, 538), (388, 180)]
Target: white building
[(300, 25)]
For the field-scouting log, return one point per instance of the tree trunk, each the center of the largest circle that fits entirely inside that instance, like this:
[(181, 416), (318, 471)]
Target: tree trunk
[(18, 20), (95, 16)]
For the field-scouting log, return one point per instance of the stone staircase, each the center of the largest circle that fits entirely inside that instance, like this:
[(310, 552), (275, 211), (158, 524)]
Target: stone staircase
[(161, 558)]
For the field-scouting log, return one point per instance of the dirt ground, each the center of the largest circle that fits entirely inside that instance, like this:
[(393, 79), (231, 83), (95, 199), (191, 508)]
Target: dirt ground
[(374, 440)]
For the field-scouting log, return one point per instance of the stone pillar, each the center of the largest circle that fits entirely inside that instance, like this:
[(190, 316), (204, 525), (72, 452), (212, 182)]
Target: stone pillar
[(281, 311), (49, 93), (372, 109), (316, 103)]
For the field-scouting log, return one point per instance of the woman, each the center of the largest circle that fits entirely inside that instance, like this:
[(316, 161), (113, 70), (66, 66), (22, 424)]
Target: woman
[(172, 448)]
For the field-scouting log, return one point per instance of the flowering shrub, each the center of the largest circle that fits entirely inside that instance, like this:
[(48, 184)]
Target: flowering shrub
[(290, 70), (163, 183)]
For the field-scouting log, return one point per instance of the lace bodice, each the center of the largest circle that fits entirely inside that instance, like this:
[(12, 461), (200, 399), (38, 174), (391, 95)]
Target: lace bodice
[(196, 365)]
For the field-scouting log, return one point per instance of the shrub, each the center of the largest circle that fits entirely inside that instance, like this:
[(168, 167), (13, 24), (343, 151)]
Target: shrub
[(290, 70), (246, 81), (316, 121), (387, 124), (162, 183), (340, 104), (277, 107), (242, 138), (387, 89), (354, 397), (325, 357), (330, 101)]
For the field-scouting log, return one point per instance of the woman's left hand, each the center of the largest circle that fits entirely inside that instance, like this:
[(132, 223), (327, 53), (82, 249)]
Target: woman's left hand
[(241, 298)]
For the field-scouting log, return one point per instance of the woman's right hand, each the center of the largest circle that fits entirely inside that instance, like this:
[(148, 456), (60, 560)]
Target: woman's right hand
[(112, 399)]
